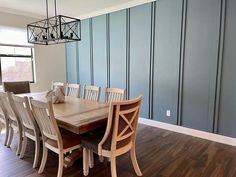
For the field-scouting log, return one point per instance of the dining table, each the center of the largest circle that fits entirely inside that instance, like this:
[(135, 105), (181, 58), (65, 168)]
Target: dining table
[(76, 115)]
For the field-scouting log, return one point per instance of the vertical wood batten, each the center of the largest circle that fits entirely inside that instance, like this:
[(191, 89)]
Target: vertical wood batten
[(219, 67), (66, 65), (91, 50), (77, 62), (108, 48), (128, 54), (181, 63), (153, 16)]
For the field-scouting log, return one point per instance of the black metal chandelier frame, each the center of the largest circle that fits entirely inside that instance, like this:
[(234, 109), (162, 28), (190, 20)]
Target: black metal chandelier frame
[(54, 30)]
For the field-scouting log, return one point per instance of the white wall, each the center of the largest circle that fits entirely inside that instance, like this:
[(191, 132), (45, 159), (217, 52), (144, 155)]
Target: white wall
[(50, 66), (50, 61), (7, 19)]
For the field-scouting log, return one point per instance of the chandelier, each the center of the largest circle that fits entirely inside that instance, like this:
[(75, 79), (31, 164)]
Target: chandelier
[(54, 30)]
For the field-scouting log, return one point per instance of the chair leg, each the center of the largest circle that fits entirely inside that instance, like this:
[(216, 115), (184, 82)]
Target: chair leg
[(20, 140), (134, 161), (44, 159), (7, 135), (101, 159), (85, 162), (10, 137), (37, 149), (1, 127), (91, 159), (60, 165), (113, 167), (24, 144)]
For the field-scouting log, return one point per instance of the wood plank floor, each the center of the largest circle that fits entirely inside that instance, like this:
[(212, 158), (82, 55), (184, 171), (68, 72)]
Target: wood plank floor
[(160, 153)]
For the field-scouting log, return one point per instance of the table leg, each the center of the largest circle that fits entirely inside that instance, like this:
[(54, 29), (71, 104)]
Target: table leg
[(72, 157)]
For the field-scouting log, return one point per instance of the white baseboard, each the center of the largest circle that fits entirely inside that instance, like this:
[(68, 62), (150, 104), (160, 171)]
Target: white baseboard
[(189, 131)]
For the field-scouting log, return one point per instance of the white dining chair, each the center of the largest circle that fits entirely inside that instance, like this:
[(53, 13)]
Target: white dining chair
[(92, 92), (14, 121), (114, 95), (3, 123), (58, 141), (73, 90), (29, 125)]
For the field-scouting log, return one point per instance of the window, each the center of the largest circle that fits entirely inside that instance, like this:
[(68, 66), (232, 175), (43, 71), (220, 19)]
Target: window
[(16, 56), (16, 63)]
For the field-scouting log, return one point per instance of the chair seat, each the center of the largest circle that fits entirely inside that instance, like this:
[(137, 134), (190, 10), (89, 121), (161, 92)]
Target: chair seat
[(92, 139), (69, 139)]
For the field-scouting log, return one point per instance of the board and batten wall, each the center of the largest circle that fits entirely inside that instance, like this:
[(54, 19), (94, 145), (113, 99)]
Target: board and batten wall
[(179, 54)]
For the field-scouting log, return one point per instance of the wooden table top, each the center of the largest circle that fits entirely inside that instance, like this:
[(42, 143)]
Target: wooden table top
[(75, 114)]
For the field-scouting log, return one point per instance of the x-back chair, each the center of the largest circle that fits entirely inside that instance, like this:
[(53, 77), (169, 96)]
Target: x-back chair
[(119, 137)]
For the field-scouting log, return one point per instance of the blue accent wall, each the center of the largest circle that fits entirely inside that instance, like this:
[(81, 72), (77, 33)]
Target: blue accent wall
[(118, 47), (72, 62), (179, 54), (200, 63), (167, 39), (100, 52), (140, 46), (84, 49)]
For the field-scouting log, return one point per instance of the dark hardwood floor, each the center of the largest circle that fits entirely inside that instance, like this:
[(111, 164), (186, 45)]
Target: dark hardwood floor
[(160, 153)]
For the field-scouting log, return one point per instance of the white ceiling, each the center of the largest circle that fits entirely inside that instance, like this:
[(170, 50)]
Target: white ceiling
[(74, 8)]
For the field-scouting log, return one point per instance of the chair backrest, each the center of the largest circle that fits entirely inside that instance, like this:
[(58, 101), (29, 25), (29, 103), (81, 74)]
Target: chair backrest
[(44, 116), (114, 95), (92, 92), (23, 110), (7, 102), (17, 87), (73, 90), (122, 125)]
